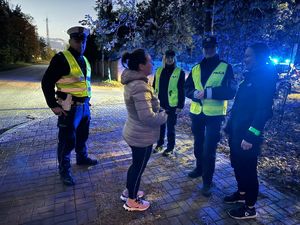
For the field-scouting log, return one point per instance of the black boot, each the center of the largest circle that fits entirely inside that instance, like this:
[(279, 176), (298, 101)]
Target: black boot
[(206, 190), (86, 162), (67, 178), (167, 152), (195, 173), (157, 149)]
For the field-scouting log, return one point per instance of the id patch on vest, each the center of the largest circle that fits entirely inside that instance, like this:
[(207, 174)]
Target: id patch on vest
[(219, 72)]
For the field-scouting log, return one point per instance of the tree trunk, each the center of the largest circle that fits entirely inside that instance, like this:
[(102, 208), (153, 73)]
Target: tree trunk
[(102, 63), (108, 69), (208, 18)]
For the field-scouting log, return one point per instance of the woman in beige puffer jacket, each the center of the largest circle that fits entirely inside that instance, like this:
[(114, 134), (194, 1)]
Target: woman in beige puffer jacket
[(143, 123)]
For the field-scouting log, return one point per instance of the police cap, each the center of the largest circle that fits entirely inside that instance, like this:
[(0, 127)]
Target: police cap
[(209, 42), (170, 53), (78, 32)]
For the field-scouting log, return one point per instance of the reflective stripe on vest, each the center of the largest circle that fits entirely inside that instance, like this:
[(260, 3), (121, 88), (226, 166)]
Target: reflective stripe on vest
[(172, 87), (75, 83), (209, 107)]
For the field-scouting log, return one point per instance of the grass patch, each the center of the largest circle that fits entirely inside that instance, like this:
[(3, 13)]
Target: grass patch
[(109, 83)]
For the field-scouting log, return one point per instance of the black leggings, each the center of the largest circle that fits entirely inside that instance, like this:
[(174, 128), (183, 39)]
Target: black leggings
[(244, 163), (140, 158)]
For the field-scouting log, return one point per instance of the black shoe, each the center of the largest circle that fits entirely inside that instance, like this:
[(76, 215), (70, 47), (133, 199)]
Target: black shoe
[(157, 149), (206, 190), (67, 179), (87, 162), (234, 198), (194, 173), (243, 212), (167, 152)]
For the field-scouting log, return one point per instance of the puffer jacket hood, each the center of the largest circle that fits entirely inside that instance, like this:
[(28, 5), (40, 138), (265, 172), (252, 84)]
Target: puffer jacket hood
[(131, 75)]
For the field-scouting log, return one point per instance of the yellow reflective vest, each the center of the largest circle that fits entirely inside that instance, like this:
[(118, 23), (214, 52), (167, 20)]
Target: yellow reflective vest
[(209, 107), (172, 87), (75, 83)]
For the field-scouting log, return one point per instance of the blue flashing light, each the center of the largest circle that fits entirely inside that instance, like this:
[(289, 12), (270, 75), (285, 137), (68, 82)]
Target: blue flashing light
[(275, 60), (287, 61)]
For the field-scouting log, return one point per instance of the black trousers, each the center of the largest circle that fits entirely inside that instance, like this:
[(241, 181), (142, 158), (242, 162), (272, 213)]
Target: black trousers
[(206, 131), (244, 163), (170, 125), (73, 133), (140, 158)]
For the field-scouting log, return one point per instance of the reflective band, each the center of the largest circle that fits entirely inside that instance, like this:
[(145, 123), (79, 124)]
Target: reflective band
[(71, 89), (254, 131), (75, 83), (69, 80)]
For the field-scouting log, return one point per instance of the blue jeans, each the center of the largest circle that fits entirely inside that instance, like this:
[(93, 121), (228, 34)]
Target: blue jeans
[(206, 131), (73, 133)]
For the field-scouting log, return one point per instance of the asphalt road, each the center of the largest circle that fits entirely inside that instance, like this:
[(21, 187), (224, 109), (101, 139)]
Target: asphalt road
[(22, 99)]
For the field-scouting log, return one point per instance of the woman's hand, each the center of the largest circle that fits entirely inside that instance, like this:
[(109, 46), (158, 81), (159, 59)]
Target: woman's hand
[(246, 145)]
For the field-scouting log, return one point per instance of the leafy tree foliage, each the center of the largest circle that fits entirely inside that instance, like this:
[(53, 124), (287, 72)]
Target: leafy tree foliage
[(158, 25), (18, 37), (240, 23)]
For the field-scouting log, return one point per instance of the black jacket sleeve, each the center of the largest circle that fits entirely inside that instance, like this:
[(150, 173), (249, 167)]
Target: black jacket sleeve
[(263, 109), (57, 68), (180, 86), (226, 91)]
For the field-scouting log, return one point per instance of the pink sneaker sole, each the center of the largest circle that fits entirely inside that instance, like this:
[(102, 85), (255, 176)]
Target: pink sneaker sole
[(131, 209)]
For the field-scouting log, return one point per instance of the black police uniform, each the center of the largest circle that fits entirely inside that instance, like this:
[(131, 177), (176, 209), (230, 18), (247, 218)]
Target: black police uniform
[(74, 127), (163, 97), (206, 129)]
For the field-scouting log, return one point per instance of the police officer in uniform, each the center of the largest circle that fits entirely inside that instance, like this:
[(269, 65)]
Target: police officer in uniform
[(209, 85), (70, 72), (169, 86)]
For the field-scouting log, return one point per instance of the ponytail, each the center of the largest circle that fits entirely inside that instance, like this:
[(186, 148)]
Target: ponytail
[(134, 59), (125, 58)]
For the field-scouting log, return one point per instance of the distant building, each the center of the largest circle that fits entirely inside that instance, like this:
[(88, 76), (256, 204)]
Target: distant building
[(58, 44)]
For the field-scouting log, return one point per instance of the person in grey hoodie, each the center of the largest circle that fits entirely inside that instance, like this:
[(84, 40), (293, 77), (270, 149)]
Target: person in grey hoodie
[(143, 123)]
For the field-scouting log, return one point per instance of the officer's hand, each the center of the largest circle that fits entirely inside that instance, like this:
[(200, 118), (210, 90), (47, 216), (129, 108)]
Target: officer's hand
[(178, 111), (246, 145), (199, 94), (58, 111)]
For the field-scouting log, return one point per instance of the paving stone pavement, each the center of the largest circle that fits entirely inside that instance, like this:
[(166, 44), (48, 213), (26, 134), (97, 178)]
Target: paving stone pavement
[(31, 192)]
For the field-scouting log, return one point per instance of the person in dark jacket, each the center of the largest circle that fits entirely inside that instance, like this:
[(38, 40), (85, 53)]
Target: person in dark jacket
[(70, 72), (251, 109), (209, 86), (169, 86)]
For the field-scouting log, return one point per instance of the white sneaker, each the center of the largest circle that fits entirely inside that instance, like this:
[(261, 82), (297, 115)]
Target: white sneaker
[(137, 205), (124, 195)]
